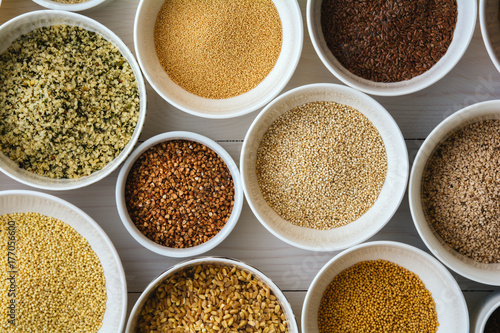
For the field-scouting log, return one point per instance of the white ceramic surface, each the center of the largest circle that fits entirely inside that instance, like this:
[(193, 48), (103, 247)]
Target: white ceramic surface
[(116, 288), (73, 7), (390, 196), (451, 308), (164, 250), (483, 273), (269, 88), (25, 23), (483, 311), (490, 28), (466, 21), (149, 290)]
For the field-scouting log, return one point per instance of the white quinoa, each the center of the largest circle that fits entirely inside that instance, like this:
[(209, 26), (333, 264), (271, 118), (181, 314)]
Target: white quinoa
[(321, 165), (50, 278), (69, 102)]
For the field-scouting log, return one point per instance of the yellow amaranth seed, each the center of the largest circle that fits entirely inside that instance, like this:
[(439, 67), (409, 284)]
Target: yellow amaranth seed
[(321, 165), (51, 275)]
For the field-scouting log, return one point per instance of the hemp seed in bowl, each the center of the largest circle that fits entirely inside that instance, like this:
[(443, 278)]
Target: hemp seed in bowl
[(69, 102)]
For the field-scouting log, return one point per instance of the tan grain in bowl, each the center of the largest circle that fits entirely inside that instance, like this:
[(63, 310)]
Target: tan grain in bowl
[(75, 126), (212, 294)]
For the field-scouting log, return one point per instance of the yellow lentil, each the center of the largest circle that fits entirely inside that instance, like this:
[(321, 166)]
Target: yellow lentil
[(377, 296), (218, 48), (51, 280)]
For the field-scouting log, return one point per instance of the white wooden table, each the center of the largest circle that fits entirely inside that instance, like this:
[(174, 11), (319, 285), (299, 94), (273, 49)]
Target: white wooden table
[(473, 80)]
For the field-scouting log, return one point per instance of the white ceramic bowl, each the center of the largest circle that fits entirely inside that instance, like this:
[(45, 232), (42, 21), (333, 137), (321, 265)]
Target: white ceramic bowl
[(25, 23), (164, 250), (490, 25), (269, 88), (463, 265), (390, 196), (483, 312), (451, 308), (150, 289), (464, 30), (116, 288), (73, 7)]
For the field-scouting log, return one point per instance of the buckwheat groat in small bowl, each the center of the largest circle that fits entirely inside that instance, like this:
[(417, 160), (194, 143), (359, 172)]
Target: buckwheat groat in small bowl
[(72, 100), (453, 192)]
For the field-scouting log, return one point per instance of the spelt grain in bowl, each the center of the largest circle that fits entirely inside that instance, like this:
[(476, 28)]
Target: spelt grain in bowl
[(72, 100)]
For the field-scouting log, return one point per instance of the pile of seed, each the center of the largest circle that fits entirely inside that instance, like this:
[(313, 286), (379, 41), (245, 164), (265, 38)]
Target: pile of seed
[(461, 191), (218, 48), (179, 193), (50, 274), (70, 1), (321, 165), (69, 102), (212, 298), (377, 296), (493, 323), (388, 41)]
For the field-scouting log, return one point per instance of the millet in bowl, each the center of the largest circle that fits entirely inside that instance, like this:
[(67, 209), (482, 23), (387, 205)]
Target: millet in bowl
[(78, 105), (71, 5)]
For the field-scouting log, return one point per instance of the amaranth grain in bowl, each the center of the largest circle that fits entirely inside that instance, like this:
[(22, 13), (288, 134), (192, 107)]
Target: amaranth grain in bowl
[(69, 102), (461, 190), (321, 165), (50, 278)]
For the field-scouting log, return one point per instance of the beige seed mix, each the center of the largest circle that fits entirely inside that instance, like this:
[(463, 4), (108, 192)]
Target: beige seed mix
[(218, 48), (377, 296), (50, 274), (212, 298), (69, 102), (321, 165), (70, 1)]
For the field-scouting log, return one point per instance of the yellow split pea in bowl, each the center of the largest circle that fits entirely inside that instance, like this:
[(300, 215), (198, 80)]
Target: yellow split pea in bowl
[(309, 188)]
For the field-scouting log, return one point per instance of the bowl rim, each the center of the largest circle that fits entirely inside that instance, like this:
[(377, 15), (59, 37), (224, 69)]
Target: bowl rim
[(392, 88), (105, 238), (75, 19), (484, 310), (217, 260), (403, 168), (448, 257), (172, 99), (485, 34), (74, 7), (395, 244), (161, 249)]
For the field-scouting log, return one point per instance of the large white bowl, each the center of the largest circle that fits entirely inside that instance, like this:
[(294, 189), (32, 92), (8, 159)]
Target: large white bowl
[(25, 23), (390, 196), (483, 311), (463, 265), (452, 313), (466, 21), (48, 205), (73, 7), (150, 289), (490, 26), (269, 88), (165, 250)]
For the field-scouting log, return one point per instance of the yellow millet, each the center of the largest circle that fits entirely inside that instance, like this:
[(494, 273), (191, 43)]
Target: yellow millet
[(377, 296), (51, 280)]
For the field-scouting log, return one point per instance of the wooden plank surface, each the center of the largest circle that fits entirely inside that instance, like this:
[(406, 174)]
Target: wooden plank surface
[(474, 79)]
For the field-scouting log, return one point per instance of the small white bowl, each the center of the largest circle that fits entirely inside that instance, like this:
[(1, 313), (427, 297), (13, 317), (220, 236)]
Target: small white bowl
[(165, 250), (376, 217), (490, 25), (25, 23), (48, 205), (72, 7), (451, 308), (463, 265), (269, 88), (150, 289), (483, 312), (462, 36)]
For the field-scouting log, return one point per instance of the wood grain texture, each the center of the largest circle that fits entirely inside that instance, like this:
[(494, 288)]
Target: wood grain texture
[(474, 79)]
